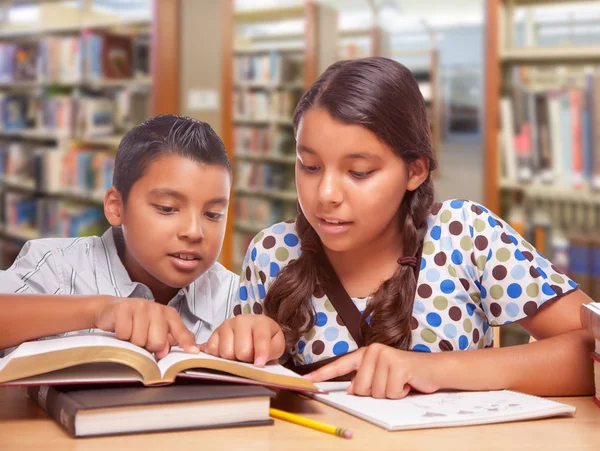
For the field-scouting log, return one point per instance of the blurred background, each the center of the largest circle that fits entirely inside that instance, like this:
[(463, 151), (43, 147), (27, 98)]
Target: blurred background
[(512, 88)]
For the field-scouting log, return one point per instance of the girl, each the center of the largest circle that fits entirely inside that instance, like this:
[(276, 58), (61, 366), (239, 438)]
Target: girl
[(374, 279)]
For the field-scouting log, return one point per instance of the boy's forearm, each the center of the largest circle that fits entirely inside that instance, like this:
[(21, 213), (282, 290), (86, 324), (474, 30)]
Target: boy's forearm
[(27, 317), (557, 366)]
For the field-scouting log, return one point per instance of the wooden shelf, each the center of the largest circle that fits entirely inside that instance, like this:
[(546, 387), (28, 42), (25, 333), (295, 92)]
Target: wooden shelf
[(262, 51), (265, 121), (269, 14), (543, 191), (248, 227), (19, 234), (105, 83), (266, 157), (287, 196), (49, 135), (70, 28), (268, 85), (551, 55)]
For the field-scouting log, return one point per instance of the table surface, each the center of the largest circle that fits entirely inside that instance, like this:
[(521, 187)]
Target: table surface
[(24, 425)]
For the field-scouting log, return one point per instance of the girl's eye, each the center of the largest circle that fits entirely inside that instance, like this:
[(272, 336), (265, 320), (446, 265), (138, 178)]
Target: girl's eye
[(214, 216), (163, 209), (361, 175), (308, 168)]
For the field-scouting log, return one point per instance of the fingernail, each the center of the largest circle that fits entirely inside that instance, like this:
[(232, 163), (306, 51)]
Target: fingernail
[(194, 349), (260, 361)]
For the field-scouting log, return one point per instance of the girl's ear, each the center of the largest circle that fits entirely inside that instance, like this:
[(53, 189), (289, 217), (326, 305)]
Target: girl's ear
[(113, 207), (418, 171)]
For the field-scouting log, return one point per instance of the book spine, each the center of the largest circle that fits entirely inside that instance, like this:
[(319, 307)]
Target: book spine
[(62, 408), (590, 321)]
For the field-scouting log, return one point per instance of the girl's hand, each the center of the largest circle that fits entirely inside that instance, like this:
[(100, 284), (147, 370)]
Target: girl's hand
[(249, 338), (383, 372)]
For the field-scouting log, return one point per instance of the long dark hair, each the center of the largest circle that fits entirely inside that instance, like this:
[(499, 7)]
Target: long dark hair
[(383, 96)]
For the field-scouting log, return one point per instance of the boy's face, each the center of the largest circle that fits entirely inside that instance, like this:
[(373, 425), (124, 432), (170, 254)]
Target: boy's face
[(173, 222)]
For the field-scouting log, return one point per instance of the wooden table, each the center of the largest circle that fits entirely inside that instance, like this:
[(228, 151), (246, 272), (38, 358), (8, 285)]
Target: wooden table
[(23, 426)]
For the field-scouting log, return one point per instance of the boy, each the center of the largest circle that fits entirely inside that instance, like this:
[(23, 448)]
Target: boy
[(168, 210)]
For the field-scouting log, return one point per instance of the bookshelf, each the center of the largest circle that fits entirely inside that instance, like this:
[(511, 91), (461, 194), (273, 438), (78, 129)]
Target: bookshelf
[(70, 103), (270, 73), (541, 141), (363, 42)]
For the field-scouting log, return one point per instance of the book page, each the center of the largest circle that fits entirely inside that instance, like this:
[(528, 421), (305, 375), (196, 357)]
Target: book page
[(86, 373), (444, 409)]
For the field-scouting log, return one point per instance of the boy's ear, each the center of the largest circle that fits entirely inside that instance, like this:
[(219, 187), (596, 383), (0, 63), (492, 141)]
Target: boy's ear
[(113, 207), (418, 171)]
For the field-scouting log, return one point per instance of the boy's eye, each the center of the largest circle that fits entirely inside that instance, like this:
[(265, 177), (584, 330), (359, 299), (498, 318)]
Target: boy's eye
[(214, 216), (361, 174), (307, 168), (163, 209)]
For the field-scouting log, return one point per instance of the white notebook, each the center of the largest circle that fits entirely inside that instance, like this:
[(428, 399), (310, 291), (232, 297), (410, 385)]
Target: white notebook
[(444, 409)]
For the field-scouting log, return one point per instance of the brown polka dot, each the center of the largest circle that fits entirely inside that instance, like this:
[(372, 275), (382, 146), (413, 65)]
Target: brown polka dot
[(496, 309), (237, 310), (505, 238), (440, 259), (481, 242), (533, 272), (435, 208), (556, 269), (557, 289), (318, 347), (413, 323), (475, 209), (338, 320), (466, 284), (530, 308), (455, 228), (499, 272), (528, 255), (475, 335), (455, 313), (257, 308), (263, 276), (248, 273), (424, 290), (318, 293), (445, 345), (269, 242), (473, 259)]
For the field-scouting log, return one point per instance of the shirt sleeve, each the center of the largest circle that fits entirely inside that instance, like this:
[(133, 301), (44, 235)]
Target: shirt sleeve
[(34, 271), (513, 278)]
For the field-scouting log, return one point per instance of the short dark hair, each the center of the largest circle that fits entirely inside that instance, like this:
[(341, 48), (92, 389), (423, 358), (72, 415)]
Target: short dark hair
[(165, 134)]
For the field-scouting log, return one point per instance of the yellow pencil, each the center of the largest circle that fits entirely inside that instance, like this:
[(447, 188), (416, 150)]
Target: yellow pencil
[(316, 425)]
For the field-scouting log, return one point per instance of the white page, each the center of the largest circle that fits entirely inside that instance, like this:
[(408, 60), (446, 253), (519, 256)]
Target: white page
[(87, 373), (445, 409)]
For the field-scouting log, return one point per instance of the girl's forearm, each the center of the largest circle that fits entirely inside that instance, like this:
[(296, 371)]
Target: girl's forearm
[(557, 366)]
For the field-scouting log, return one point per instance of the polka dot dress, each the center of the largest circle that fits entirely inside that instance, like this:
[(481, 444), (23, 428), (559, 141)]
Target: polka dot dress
[(475, 272)]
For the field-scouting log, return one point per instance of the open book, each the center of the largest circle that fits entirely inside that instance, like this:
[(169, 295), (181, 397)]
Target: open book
[(93, 358), (443, 409)]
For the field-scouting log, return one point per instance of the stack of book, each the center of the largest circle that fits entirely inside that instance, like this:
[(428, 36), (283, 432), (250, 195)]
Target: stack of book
[(590, 320)]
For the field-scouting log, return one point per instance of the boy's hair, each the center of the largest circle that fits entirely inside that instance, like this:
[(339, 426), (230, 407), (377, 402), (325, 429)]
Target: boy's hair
[(162, 135), (384, 97)]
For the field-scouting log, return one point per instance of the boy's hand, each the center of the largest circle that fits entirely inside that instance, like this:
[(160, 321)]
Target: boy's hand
[(249, 338), (149, 325)]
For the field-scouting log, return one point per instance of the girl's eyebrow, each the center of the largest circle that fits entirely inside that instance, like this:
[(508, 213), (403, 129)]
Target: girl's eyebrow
[(353, 156)]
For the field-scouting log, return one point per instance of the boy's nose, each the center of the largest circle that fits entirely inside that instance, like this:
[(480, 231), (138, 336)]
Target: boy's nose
[(192, 230)]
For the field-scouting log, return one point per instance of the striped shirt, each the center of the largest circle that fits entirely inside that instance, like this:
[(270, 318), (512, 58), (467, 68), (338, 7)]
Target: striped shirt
[(91, 265)]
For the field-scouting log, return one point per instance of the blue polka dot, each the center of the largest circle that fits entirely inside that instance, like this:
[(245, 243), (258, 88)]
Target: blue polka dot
[(301, 345), (308, 359), (243, 293), (463, 342), (436, 232), (483, 292), (321, 319), (471, 231), (341, 347), (261, 291), (446, 243), (542, 262), (263, 260), (519, 255), (471, 308), (421, 348), (513, 240), (447, 286), (572, 284), (418, 307), (464, 215), (430, 222), (489, 255), (548, 290), (252, 291), (450, 330), (291, 239), (514, 290), (512, 309), (331, 333), (542, 272), (517, 272), (478, 285), (433, 275), (457, 203), (486, 326), (492, 221), (368, 319), (278, 228), (253, 254), (479, 318), (433, 319), (457, 257), (482, 207), (423, 264), (273, 269), (485, 275), (461, 297), (470, 271)]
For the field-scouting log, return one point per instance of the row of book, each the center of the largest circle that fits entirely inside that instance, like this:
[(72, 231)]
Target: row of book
[(264, 105), (260, 141), (48, 217), (264, 176), (273, 67), (550, 135), (91, 56)]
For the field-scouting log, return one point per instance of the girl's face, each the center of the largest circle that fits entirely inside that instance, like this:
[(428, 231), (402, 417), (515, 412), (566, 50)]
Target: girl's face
[(350, 184)]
